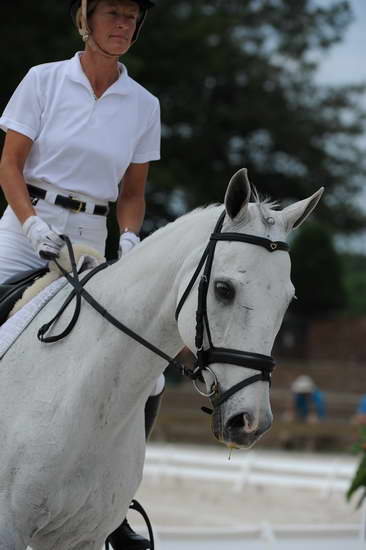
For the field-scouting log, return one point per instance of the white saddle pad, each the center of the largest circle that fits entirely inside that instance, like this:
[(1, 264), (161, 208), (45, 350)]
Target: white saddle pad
[(14, 326)]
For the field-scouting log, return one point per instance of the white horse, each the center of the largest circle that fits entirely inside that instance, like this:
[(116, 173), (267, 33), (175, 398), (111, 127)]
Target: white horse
[(72, 440)]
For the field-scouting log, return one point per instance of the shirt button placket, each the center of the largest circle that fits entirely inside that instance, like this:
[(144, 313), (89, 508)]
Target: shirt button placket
[(93, 112)]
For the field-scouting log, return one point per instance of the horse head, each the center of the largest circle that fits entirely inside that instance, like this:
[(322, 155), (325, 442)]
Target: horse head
[(243, 292)]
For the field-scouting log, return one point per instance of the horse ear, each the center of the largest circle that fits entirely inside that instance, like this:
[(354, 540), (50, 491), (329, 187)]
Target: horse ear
[(237, 195), (295, 214)]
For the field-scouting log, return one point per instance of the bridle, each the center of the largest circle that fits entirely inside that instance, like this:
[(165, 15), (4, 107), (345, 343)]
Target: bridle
[(204, 357)]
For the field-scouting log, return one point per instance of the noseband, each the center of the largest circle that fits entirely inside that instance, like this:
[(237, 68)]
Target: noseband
[(205, 357)]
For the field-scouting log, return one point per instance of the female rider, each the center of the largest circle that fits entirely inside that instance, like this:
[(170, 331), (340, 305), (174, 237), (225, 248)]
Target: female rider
[(80, 133)]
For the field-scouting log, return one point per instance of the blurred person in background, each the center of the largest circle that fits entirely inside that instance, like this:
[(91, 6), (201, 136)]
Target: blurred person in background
[(308, 400)]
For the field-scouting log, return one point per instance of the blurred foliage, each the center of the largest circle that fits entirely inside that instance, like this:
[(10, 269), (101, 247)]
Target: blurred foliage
[(316, 272), (354, 280), (236, 81), (237, 88), (359, 479), (236, 84)]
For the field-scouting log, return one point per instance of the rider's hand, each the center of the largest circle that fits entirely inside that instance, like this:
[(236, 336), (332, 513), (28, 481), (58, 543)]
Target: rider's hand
[(127, 241), (44, 240)]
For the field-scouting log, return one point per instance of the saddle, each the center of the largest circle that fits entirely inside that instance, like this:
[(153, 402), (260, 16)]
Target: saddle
[(12, 290)]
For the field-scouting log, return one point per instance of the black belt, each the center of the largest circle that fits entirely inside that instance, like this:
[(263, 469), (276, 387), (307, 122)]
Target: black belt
[(67, 202)]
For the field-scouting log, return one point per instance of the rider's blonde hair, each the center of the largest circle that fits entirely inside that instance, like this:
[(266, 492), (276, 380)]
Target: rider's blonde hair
[(82, 15)]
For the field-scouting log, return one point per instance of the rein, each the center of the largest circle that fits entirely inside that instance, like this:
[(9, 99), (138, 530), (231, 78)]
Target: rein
[(78, 292), (204, 357)]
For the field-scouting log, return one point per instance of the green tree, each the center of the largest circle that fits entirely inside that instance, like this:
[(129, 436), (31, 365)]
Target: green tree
[(358, 483), (237, 88), (316, 272), (32, 33), (354, 278)]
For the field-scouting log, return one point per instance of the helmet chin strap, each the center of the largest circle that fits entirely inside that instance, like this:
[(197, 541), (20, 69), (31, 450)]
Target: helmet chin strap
[(83, 21), (94, 45), (86, 33)]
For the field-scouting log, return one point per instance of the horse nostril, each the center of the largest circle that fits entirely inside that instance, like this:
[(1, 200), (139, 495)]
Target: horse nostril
[(237, 422), (243, 421)]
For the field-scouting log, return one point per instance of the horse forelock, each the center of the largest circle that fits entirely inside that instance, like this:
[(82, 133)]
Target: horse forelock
[(267, 208), (263, 202)]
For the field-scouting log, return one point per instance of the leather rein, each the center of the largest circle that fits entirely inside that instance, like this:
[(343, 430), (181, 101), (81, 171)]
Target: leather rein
[(204, 357)]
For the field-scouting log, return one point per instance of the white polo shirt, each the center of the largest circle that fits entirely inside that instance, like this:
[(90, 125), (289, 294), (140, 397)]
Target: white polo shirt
[(81, 144)]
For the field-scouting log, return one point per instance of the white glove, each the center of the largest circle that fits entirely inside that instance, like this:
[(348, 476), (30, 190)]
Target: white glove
[(127, 241), (44, 240)]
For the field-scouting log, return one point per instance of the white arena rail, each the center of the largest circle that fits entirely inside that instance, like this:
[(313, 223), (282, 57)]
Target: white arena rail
[(325, 475), (316, 537), (251, 468), (260, 468)]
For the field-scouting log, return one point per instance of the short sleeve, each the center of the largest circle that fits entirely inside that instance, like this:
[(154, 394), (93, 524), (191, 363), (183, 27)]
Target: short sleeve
[(148, 146), (23, 112)]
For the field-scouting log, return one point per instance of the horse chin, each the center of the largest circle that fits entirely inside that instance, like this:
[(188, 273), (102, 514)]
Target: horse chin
[(240, 440), (234, 434)]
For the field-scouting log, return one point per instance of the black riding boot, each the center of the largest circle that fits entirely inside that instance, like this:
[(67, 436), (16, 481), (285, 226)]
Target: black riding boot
[(124, 537), (152, 408)]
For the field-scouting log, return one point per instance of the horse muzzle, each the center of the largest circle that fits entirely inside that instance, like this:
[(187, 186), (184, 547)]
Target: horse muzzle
[(240, 430)]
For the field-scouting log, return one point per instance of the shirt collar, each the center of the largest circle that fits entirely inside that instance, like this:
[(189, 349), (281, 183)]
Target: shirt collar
[(75, 72)]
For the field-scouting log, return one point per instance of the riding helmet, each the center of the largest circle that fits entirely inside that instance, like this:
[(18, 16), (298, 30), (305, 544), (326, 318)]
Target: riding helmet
[(145, 5)]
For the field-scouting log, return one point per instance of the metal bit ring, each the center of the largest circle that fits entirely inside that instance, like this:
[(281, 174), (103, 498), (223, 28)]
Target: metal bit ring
[(214, 385)]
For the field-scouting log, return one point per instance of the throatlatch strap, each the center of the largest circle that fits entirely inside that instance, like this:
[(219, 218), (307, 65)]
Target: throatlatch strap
[(191, 282), (218, 226)]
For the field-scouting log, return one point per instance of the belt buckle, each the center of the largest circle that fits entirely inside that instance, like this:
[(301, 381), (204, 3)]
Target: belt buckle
[(78, 208)]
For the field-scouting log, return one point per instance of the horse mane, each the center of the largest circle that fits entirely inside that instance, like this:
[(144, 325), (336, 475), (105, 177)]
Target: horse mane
[(180, 220)]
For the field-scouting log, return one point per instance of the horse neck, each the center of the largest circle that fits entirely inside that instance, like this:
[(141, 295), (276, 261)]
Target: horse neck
[(147, 280)]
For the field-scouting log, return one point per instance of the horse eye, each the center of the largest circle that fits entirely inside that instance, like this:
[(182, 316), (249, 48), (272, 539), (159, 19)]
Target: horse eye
[(224, 291)]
